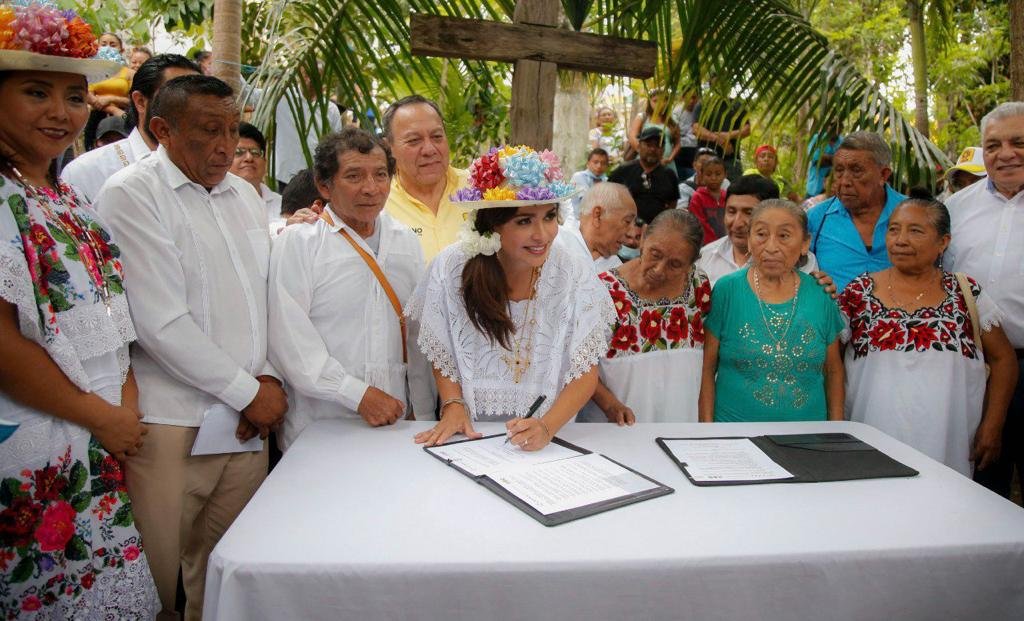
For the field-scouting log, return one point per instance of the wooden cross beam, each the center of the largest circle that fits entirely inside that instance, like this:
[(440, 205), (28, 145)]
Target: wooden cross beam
[(538, 48)]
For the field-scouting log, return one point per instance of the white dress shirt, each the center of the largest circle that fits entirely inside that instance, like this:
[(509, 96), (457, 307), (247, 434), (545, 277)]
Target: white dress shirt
[(572, 240), (987, 234), (197, 287), (272, 202), (717, 260), (90, 170), (333, 331), (288, 156)]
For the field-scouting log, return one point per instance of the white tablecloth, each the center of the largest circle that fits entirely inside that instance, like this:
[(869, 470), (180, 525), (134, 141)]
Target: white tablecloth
[(359, 523)]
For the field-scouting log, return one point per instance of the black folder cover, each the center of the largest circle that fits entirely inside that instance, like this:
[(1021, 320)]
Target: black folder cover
[(814, 458), (554, 519)]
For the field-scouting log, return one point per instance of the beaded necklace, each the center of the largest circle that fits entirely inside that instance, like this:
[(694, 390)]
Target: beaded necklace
[(89, 252)]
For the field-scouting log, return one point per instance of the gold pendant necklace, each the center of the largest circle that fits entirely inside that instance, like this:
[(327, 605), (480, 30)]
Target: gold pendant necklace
[(519, 363), (892, 293)]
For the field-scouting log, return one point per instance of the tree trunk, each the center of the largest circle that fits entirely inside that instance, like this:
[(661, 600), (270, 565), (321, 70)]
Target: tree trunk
[(1017, 49), (571, 126), (919, 58), (227, 41)]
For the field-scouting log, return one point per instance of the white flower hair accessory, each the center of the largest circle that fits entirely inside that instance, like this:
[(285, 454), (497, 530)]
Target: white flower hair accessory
[(474, 242)]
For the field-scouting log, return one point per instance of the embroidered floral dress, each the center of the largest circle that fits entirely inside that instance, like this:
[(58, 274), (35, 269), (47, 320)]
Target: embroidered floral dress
[(566, 332), (917, 376), (68, 545), (653, 364)]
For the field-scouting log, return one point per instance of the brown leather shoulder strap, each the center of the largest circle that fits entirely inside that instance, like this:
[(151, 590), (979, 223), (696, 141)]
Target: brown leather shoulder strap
[(381, 278)]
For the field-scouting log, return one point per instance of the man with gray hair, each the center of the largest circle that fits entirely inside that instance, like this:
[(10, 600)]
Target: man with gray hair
[(606, 213), (848, 230), (987, 221)]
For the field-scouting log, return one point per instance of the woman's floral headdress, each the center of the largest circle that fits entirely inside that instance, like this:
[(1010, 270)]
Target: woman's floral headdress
[(509, 176), (39, 36)]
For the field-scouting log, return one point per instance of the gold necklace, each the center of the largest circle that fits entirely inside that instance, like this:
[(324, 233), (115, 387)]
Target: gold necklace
[(88, 250), (892, 292), (519, 362), (779, 342)]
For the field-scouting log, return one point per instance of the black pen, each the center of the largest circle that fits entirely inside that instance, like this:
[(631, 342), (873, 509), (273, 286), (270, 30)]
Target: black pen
[(533, 410)]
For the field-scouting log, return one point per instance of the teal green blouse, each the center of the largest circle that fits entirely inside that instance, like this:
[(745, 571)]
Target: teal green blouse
[(771, 376)]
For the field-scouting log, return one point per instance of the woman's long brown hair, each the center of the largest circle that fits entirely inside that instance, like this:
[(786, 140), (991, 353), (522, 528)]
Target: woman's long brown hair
[(484, 286)]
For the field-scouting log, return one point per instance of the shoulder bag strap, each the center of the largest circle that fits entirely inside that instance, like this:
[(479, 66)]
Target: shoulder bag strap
[(972, 308), (381, 278)]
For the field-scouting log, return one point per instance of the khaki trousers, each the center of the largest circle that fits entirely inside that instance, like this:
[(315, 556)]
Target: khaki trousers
[(183, 505)]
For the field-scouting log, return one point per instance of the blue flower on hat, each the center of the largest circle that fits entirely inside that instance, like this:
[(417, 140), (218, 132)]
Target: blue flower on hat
[(523, 169)]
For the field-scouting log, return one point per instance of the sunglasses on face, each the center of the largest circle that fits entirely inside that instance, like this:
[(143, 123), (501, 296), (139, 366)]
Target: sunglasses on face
[(255, 152)]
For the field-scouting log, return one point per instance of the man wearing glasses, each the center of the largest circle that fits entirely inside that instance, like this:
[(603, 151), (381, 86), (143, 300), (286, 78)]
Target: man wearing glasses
[(250, 163), (653, 187), (848, 229)]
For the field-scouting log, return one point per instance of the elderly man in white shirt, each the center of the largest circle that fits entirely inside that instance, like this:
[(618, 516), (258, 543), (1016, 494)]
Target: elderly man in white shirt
[(335, 330), (196, 238), (728, 254), (606, 213), (89, 171), (987, 231)]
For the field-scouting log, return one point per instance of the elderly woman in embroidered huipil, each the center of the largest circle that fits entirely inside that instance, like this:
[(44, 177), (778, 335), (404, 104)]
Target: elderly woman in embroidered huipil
[(506, 315), (69, 411), (915, 366)]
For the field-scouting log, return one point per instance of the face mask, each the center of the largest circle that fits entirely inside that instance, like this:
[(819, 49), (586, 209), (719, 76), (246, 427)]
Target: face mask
[(628, 254)]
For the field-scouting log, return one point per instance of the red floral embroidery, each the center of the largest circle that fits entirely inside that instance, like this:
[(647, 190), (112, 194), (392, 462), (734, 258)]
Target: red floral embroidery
[(17, 522), (873, 327), (625, 338), (651, 324), (621, 301), (57, 528), (49, 484), (678, 327)]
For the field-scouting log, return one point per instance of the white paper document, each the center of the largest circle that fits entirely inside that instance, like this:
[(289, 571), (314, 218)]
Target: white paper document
[(489, 454), (571, 483), (217, 433), (726, 459)]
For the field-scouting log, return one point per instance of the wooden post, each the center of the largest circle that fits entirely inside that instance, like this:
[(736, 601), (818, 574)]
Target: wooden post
[(533, 82)]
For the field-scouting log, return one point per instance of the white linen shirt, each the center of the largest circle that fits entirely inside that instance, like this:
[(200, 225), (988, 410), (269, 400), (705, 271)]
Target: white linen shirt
[(986, 244), (572, 240), (272, 202), (90, 170), (716, 259), (197, 287), (333, 331)]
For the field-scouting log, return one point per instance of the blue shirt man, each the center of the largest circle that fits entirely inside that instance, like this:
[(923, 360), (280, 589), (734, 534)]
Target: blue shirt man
[(848, 230)]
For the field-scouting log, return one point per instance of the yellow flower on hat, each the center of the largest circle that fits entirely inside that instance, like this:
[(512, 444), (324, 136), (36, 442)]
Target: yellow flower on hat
[(500, 194), (6, 32)]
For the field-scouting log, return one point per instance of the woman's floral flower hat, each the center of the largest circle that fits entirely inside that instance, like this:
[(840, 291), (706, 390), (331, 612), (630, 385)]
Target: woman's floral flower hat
[(508, 177), (38, 36), (514, 177)]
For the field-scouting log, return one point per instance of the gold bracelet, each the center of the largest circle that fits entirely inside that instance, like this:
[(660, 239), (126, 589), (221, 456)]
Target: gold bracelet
[(448, 402)]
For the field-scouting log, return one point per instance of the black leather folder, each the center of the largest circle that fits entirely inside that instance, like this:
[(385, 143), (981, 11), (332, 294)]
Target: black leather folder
[(814, 458), (554, 519)]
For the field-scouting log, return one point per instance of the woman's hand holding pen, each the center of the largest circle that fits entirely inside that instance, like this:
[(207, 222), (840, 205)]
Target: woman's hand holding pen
[(529, 434)]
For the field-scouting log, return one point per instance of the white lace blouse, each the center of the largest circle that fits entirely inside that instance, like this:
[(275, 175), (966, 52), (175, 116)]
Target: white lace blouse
[(573, 315)]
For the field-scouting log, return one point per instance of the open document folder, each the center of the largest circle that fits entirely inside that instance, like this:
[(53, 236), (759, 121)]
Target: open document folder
[(554, 485), (788, 458)]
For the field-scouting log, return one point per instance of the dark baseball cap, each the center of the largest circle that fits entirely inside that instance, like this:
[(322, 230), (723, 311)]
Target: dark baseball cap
[(114, 124), (650, 133)]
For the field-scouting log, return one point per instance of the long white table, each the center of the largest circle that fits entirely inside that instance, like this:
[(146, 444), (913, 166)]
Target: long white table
[(359, 523)]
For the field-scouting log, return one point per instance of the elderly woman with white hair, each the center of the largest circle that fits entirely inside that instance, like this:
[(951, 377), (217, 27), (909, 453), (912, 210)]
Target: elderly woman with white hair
[(651, 371)]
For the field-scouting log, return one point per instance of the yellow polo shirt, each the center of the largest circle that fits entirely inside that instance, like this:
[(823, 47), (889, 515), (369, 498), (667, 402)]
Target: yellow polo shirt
[(436, 232)]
